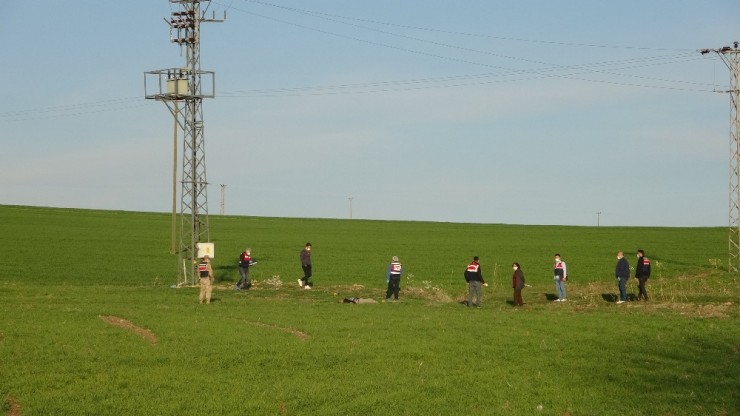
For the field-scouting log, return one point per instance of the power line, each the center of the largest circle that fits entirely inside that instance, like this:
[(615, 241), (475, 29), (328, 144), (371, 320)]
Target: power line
[(453, 81), (684, 52), (449, 32), (460, 81), (78, 109)]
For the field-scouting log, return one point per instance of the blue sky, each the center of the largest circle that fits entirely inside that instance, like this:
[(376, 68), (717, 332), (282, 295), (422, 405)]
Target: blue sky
[(526, 112)]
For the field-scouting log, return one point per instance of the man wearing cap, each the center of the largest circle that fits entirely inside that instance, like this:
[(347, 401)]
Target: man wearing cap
[(393, 277)]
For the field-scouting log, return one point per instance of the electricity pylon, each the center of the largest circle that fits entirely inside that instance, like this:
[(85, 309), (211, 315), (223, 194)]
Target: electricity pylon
[(731, 57), (182, 90)]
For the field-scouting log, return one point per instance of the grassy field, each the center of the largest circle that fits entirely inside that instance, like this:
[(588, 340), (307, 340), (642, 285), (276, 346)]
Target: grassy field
[(90, 324)]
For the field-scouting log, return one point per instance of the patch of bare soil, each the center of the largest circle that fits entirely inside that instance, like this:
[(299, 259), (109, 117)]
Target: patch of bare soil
[(128, 325), (296, 333), (15, 408)]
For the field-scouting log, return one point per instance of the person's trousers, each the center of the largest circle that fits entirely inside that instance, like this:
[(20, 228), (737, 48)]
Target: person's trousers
[(307, 273), (518, 301), (474, 291), (560, 288), (394, 286), (641, 285), (245, 281), (205, 290), (622, 288)]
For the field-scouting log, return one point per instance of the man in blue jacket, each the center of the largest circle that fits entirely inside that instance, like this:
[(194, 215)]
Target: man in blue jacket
[(623, 274)]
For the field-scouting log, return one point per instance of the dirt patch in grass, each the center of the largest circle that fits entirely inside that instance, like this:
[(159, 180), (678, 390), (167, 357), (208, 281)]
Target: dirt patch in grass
[(14, 409), (128, 325), (296, 333)]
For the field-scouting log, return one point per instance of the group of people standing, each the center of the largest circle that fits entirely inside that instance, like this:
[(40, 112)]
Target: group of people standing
[(642, 273), (475, 281), (246, 261), (473, 277)]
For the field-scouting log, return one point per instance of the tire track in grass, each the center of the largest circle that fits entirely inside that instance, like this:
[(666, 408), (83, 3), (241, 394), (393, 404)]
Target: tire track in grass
[(128, 325), (296, 333)]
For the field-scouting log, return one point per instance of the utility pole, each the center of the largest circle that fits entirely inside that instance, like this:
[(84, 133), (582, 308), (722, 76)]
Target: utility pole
[(223, 196), (731, 57), (598, 219), (187, 85), (350, 206)]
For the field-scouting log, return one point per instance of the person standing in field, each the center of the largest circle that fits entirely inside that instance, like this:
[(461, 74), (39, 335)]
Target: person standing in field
[(560, 275), (474, 278), (517, 282), (393, 276), (305, 281), (245, 260), (205, 272), (642, 273), (622, 272)]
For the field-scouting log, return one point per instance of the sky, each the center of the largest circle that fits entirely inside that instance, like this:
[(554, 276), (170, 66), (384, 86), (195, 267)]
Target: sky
[(478, 111)]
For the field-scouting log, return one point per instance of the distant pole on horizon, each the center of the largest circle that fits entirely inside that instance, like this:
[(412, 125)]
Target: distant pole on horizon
[(731, 57), (223, 196), (350, 206), (188, 85), (598, 219)]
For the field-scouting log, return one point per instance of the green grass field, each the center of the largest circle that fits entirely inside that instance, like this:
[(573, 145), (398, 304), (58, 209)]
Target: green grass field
[(90, 324)]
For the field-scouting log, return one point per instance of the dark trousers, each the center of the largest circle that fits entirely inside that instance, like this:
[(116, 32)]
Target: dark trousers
[(394, 286), (245, 282), (641, 285), (307, 273), (518, 301)]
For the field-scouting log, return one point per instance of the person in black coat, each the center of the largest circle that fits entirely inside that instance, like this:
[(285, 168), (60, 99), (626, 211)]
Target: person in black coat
[(642, 273), (517, 282)]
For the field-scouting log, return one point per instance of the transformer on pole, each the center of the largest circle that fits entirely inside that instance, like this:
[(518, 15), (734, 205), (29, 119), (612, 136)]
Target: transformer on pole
[(182, 90), (731, 57)]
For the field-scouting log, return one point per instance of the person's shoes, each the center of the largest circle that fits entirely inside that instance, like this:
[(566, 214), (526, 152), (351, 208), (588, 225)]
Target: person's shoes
[(237, 288), (563, 300), (300, 282), (557, 300), (620, 301), (307, 287)]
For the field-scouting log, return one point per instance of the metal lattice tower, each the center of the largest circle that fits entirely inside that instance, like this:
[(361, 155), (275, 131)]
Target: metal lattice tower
[(182, 90), (731, 57)]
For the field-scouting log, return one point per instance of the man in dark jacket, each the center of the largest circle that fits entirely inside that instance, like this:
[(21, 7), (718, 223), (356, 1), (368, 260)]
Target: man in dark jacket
[(474, 277), (642, 273), (305, 281), (623, 274)]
